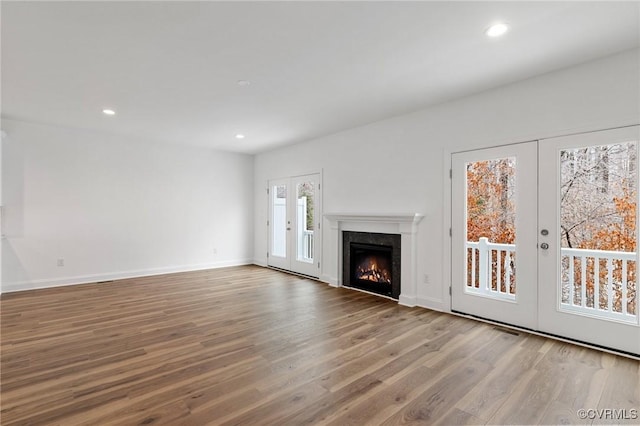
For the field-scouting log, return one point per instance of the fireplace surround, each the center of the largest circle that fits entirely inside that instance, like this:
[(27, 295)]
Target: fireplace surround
[(406, 225)]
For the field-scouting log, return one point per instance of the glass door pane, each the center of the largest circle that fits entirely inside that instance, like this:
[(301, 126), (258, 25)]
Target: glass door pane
[(598, 203), (279, 247), (491, 228), (305, 221)]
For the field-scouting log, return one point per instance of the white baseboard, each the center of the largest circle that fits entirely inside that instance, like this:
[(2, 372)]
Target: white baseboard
[(409, 301), (259, 262), (93, 278), (332, 281), (431, 303)]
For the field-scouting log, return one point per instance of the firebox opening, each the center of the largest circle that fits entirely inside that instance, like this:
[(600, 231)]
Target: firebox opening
[(371, 262), (371, 268)]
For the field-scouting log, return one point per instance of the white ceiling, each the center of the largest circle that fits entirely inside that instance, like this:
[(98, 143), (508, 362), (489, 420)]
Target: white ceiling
[(170, 69)]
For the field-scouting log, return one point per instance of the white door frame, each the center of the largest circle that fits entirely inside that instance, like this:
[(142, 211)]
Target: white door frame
[(291, 263)]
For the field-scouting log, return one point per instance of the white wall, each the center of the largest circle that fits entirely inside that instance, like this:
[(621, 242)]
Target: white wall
[(112, 207), (2, 137), (398, 165)]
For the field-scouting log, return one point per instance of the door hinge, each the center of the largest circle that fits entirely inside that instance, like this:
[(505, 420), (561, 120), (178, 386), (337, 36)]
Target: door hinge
[(267, 255), (450, 173), (450, 232), (318, 264), (267, 191), (318, 187), (449, 291), (267, 223), (318, 225)]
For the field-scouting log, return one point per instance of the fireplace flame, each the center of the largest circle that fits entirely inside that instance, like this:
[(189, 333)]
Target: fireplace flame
[(371, 272)]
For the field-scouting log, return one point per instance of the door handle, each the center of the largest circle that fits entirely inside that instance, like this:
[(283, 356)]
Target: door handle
[(544, 246), (288, 229)]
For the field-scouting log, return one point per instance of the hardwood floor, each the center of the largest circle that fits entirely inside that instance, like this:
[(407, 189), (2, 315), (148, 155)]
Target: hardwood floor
[(249, 345)]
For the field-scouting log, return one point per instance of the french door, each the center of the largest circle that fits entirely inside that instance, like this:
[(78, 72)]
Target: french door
[(545, 236), (294, 223), (588, 274), (494, 234)]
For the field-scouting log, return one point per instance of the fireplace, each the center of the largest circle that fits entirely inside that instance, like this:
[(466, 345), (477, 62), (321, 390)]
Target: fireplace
[(371, 262)]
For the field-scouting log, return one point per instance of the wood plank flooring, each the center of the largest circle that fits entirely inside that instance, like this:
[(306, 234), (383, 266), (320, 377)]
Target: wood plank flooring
[(248, 346)]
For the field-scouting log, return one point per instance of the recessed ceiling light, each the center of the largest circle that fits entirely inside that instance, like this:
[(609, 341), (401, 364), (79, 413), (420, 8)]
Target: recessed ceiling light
[(109, 111), (243, 82), (239, 136), (497, 30)]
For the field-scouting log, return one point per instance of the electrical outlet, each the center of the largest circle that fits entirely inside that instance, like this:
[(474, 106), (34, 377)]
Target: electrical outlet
[(60, 262), (426, 279)]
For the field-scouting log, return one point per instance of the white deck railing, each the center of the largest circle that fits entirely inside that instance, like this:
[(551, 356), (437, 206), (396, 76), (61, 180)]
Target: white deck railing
[(304, 235), (492, 273), (307, 245), (492, 269), (596, 282)]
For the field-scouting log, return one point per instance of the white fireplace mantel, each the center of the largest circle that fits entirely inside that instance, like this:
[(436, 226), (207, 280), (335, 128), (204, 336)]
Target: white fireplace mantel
[(411, 218), (404, 224)]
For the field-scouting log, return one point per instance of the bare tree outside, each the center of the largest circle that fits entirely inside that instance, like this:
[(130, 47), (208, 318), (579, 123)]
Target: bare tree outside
[(598, 204), (594, 182)]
